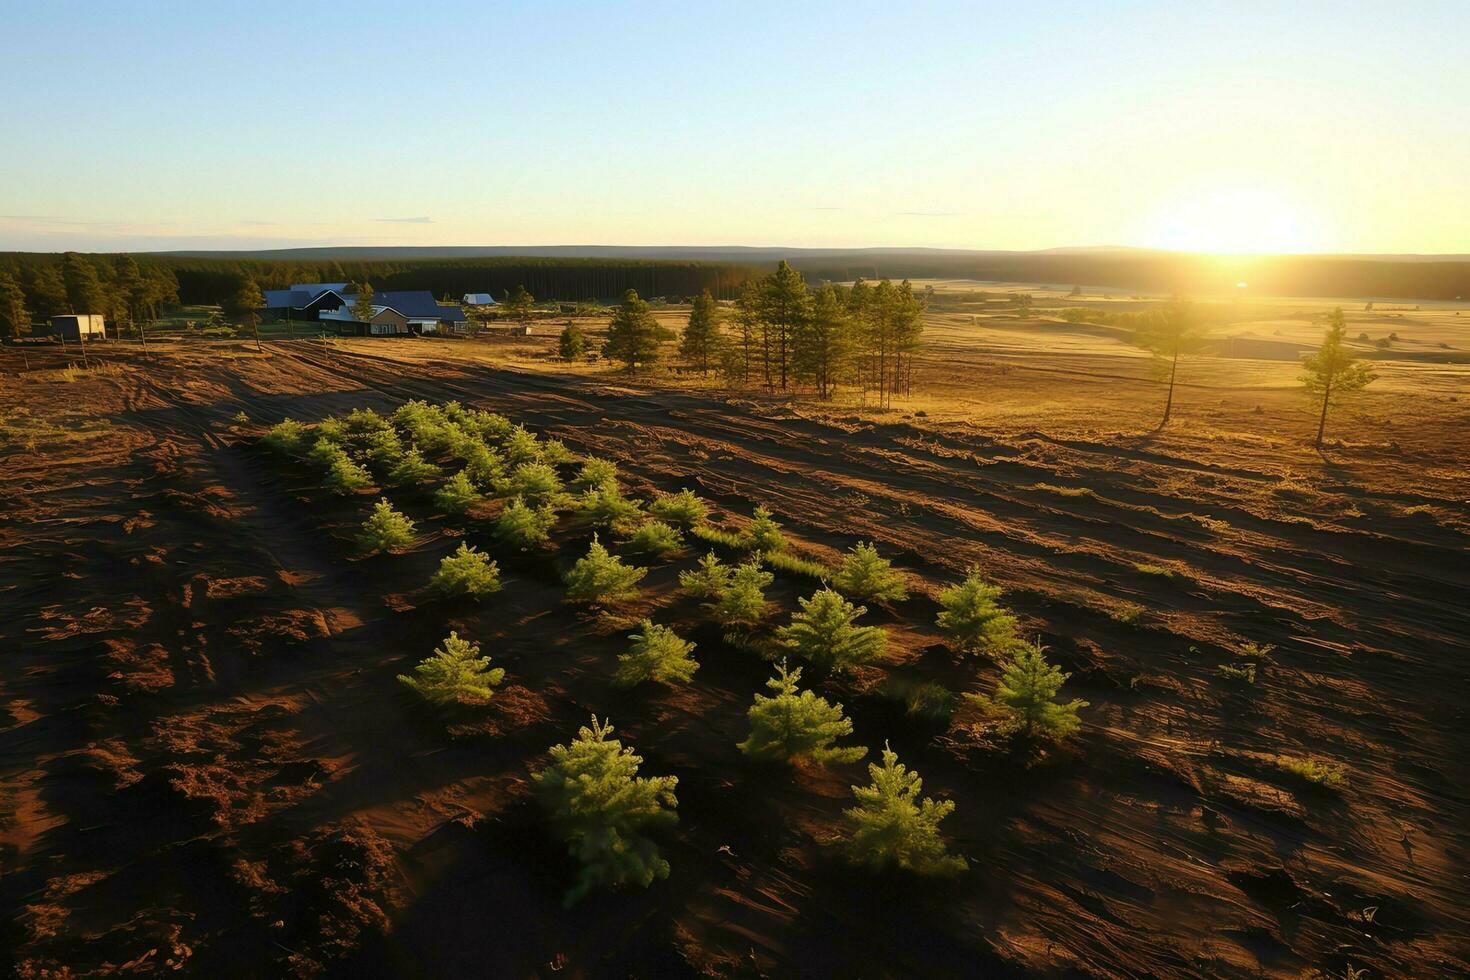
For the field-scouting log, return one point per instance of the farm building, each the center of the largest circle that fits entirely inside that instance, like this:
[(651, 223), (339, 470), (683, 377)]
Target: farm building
[(478, 299), (407, 312), (79, 326)]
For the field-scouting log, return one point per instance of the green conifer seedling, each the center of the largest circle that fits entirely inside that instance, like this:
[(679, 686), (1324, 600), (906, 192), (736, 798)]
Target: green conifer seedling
[(457, 494), (743, 599), (411, 469), (824, 632), (456, 672), (763, 533), (657, 654), (344, 476), (892, 828), (656, 538), (682, 509), (287, 437), (597, 473), (386, 529), (467, 572), (601, 806), (974, 618), (866, 577), (709, 580), (537, 483), (601, 579), (797, 724), (523, 526), (1026, 695)]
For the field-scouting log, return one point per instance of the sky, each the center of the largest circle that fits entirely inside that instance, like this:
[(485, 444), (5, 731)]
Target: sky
[(1238, 126)]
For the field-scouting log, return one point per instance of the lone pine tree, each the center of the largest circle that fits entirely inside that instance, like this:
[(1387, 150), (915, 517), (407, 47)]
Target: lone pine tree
[(601, 806), (1333, 372), (795, 724), (1170, 333), (892, 828)]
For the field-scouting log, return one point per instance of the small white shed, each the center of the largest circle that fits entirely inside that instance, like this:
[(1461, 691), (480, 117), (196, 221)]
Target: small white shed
[(79, 326)]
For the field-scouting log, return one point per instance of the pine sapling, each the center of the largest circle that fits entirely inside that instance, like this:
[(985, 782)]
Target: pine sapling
[(656, 538), (467, 572), (974, 618), (287, 437), (601, 579), (824, 632), (457, 494), (707, 581), (520, 446), (523, 526), (657, 654), (682, 509), (412, 469), (762, 533), (742, 602), (536, 482), (797, 725), (386, 529), (605, 507), (597, 473), (344, 476), (892, 828), (601, 806), (455, 673), (866, 577), (483, 465), (1025, 698)]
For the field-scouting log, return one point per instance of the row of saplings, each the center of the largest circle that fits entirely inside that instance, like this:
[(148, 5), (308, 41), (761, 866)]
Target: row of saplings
[(591, 786)]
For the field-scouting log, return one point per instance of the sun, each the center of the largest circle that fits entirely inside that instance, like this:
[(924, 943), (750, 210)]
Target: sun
[(1230, 220)]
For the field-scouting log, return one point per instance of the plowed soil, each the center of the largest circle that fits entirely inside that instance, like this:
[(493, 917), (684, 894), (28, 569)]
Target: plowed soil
[(207, 765)]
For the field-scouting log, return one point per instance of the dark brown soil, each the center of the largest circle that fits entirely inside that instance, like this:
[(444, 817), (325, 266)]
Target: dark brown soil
[(206, 763)]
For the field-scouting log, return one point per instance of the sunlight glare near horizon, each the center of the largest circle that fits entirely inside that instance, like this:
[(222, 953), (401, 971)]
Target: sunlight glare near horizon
[(1233, 219)]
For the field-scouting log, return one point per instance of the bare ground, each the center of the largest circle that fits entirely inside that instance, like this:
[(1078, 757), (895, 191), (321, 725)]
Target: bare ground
[(207, 762)]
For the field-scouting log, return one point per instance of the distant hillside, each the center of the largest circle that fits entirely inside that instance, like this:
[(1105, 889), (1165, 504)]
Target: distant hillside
[(1440, 277)]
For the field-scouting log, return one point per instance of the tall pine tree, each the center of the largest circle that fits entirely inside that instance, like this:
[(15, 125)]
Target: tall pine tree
[(633, 335), (701, 340), (1333, 372)]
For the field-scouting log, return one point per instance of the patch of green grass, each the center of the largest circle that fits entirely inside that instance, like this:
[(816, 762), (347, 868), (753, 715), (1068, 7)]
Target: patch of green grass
[(782, 561), (710, 534), (925, 700), (1313, 770), (1127, 613), (1157, 570), (1064, 491), (1241, 674)]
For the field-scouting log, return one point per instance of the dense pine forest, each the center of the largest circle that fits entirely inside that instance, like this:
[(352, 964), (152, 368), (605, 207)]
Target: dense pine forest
[(128, 287)]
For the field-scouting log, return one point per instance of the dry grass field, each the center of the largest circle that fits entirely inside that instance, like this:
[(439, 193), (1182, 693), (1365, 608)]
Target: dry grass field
[(207, 765)]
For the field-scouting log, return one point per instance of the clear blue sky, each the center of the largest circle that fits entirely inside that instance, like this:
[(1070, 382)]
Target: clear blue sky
[(1234, 125)]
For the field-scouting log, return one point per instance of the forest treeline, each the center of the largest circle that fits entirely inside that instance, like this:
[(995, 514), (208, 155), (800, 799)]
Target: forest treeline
[(126, 287), (781, 334)]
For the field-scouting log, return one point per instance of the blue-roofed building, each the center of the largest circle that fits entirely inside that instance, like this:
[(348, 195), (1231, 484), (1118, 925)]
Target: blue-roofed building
[(394, 312)]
